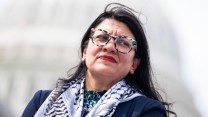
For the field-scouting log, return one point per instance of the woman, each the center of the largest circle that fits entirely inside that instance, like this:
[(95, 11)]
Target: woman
[(113, 78)]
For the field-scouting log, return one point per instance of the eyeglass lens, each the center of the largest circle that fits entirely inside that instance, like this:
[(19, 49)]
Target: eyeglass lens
[(101, 38)]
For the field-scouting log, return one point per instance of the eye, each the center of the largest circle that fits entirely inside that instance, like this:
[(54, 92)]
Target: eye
[(102, 37), (123, 42)]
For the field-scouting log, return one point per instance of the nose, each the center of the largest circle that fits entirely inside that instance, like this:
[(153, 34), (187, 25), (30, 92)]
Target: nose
[(110, 46)]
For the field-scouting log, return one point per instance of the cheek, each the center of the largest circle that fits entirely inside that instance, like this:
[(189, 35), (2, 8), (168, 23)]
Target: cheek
[(91, 51), (126, 61), (128, 58)]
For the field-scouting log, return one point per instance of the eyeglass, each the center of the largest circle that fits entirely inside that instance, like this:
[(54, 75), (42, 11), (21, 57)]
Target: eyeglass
[(123, 44)]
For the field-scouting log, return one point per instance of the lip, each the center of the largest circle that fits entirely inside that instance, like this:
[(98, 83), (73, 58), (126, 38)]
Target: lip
[(107, 58)]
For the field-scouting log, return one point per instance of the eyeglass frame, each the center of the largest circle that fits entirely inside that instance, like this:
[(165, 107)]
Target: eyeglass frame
[(133, 44)]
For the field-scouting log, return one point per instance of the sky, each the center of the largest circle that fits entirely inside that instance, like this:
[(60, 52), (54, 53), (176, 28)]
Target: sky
[(190, 21)]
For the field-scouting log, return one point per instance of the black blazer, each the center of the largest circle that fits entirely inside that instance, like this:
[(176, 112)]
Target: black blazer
[(138, 107)]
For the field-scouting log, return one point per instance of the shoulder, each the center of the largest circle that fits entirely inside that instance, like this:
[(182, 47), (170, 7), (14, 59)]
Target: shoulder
[(141, 106), (147, 103), (41, 95), (36, 101)]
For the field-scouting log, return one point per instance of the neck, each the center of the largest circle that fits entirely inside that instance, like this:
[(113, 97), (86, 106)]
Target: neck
[(97, 84)]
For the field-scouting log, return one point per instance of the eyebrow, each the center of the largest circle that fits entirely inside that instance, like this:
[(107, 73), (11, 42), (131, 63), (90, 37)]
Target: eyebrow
[(104, 31), (110, 33)]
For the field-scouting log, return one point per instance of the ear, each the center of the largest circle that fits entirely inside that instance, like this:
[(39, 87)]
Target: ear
[(135, 64), (84, 55)]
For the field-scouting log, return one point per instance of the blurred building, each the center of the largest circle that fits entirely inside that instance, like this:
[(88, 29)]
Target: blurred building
[(39, 42)]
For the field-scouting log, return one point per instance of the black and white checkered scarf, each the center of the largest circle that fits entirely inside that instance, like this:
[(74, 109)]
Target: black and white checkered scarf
[(70, 102)]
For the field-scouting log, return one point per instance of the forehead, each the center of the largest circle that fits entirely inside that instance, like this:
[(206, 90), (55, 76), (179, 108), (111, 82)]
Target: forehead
[(115, 27)]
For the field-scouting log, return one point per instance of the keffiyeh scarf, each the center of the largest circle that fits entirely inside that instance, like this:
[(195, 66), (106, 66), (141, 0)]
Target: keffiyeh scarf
[(70, 102)]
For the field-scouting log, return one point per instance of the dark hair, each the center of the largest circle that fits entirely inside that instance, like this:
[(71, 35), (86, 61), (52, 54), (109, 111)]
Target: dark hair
[(141, 80)]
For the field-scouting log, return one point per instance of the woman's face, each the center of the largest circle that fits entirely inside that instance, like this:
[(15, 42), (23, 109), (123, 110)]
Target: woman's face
[(105, 61)]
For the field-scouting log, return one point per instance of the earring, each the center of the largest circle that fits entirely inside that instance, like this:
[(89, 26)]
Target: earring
[(132, 71), (83, 59)]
